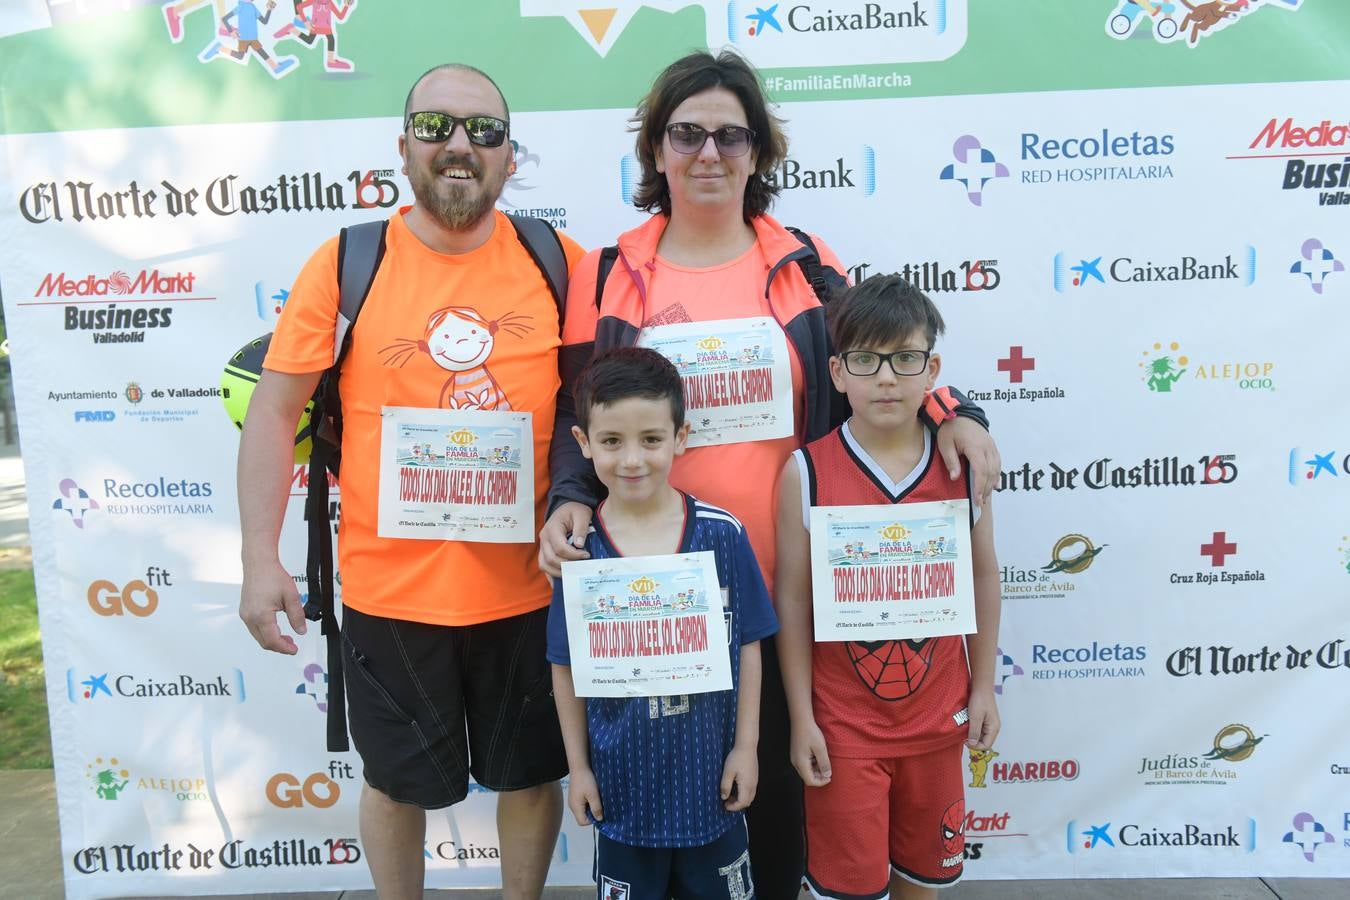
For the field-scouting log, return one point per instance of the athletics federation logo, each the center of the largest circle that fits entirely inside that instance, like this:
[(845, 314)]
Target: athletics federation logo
[(974, 168), (1317, 263)]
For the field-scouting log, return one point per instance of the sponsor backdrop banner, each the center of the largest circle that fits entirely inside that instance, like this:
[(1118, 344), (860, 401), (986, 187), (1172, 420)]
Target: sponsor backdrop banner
[(1136, 222)]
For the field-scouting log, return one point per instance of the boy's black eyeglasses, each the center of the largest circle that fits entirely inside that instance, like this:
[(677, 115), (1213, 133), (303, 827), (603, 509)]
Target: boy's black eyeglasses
[(902, 362), (731, 140), (436, 128)]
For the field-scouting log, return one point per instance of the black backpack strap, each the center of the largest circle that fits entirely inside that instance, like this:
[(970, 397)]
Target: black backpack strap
[(360, 251), (608, 256), (546, 249), (824, 280)]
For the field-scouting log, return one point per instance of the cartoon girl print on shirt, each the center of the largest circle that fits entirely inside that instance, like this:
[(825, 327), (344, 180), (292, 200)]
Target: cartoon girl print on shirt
[(460, 341)]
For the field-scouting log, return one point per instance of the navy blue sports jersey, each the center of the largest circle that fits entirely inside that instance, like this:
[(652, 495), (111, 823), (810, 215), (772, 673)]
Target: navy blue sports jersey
[(658, 760)]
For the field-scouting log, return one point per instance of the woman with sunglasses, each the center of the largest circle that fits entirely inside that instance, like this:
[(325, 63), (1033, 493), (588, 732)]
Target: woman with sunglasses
[(711, 281)]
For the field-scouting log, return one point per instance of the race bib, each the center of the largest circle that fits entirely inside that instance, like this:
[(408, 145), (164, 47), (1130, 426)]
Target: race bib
[(646, 626), (456, 475), (736, 374), (892, 571)]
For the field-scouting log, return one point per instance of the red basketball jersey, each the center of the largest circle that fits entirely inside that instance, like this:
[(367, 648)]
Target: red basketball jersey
[(881, 699)]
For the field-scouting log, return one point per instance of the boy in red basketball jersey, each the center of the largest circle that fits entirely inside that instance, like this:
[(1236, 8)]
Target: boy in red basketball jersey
[(878, 726)]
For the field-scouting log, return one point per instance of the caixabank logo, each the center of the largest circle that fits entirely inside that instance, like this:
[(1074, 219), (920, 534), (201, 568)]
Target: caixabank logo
[(1312, 157), (91, 687), (1233, 836), (1023, 383), (1107, 473), (841, 32), (84, 202), (1077, 272), (1164, 365), (117, 307), (1318, 467), (1216, 766), (853, 172), (1070, 557)]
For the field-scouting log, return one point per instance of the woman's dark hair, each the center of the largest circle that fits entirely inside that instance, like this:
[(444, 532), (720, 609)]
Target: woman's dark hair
[(682, 79)]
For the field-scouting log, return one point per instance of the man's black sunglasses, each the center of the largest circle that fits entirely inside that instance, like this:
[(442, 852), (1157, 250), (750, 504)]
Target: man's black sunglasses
[(436, 128)]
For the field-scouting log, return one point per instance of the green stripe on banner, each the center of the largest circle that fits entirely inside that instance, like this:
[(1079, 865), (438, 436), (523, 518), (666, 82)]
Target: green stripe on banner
[(121, 69)]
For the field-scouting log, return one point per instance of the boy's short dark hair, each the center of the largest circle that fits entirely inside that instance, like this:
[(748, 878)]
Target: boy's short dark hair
[(628, 372), (880, 311)]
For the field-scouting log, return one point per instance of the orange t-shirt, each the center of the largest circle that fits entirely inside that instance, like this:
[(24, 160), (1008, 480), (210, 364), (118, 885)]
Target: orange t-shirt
[(737, 477), (433, 581)]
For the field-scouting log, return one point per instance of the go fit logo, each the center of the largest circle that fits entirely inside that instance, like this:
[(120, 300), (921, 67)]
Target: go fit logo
[(319, 789), (137, 597)]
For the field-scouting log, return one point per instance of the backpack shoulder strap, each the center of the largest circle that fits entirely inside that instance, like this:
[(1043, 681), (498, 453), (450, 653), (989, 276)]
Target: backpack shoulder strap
[(546, 249), (823, 279), (360, 250), (607, 258)]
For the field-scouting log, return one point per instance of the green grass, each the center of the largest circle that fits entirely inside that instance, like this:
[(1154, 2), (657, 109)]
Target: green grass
[(25, 741)]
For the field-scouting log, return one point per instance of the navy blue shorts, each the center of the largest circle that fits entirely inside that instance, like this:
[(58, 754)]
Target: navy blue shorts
[(716, 871)]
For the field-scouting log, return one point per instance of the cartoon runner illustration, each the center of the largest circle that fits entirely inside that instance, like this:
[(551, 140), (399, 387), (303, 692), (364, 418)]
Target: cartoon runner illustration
[(176, 10), (319, 25), (459, 340), (247, 19)]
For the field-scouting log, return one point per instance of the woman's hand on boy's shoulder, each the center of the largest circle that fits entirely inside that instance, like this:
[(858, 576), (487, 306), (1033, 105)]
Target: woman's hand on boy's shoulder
[(985, 723), (563, 537)]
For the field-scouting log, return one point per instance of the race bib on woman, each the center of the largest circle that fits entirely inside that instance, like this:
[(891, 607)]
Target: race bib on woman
[(736, 374)]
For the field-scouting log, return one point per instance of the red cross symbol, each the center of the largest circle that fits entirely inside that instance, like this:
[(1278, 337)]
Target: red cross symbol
[(1015, 364), (1218, 549)]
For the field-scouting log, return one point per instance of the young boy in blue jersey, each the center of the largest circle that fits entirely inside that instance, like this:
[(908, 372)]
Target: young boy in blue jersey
[(664, 779), (878, 727)]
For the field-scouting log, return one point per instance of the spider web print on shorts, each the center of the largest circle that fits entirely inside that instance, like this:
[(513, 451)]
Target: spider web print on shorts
[(891, 669)]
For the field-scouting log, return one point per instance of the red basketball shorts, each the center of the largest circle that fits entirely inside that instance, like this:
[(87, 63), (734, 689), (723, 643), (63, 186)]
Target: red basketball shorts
[(905, 814)]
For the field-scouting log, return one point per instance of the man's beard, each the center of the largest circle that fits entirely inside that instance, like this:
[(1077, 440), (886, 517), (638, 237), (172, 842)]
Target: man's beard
[(459, 208)]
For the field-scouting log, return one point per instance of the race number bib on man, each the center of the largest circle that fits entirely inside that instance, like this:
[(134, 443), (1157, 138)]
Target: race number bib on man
[(646, 626), (736, 374), (456, 475), (890, 572)]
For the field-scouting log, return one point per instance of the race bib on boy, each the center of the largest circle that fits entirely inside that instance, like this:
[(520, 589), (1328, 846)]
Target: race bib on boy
[(646, 626), (456, 475), (736, 374), (890, 572)]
